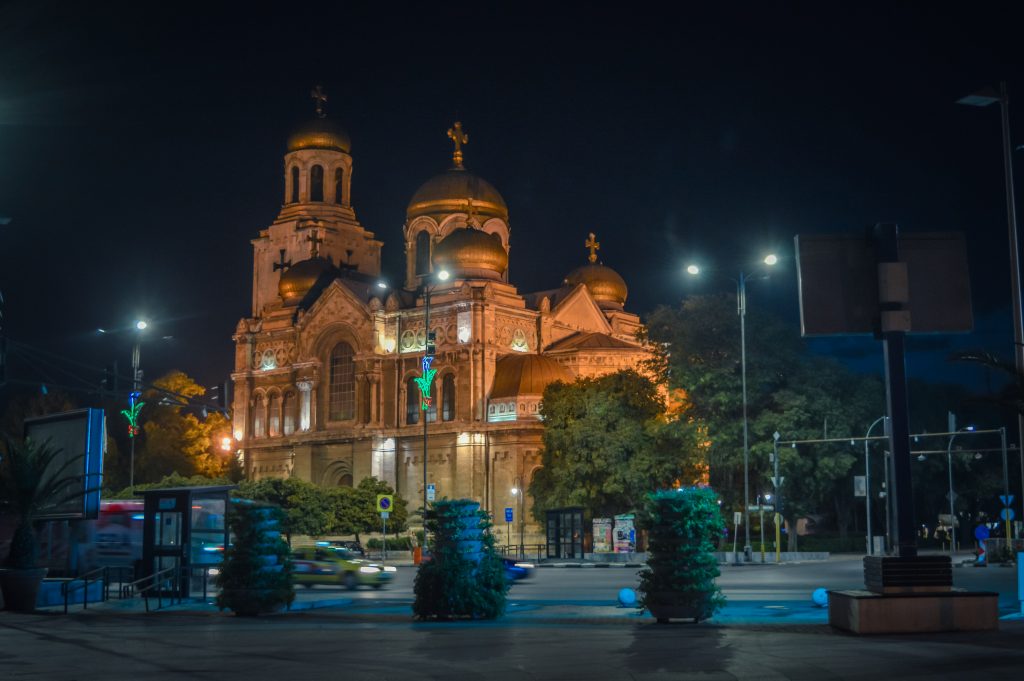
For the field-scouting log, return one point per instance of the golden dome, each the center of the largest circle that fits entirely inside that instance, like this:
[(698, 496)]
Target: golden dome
[(301, 277), (449, 191), (605, 285), (320, 133), (471, 253), (522, 374)]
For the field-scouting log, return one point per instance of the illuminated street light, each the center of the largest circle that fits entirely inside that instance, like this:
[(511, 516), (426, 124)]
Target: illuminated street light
[(741, 310), (381, 284), (141, 325), (225, 444), (443, 275)]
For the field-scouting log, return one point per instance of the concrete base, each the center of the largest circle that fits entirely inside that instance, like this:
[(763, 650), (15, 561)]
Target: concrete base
[(865, 612)]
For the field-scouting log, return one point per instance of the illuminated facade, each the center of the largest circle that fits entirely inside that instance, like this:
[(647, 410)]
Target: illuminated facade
[(325, 368)]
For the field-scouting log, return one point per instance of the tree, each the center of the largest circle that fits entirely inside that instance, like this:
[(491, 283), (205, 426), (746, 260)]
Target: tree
[(356, 508), (308, 509), (607, 442)]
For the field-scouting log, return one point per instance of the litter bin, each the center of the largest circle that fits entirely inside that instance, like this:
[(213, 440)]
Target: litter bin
[(417, 555)]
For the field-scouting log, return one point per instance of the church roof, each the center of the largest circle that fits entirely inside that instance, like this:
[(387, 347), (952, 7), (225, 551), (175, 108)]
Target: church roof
[(526, 374), (585, 340)]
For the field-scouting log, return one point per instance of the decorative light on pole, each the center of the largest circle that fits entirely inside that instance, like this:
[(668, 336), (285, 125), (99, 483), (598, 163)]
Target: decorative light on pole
[(134, 402), (425, 380), (741, 309)]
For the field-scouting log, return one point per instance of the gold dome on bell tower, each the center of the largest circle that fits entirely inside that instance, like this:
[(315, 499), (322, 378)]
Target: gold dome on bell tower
[(606, 286)]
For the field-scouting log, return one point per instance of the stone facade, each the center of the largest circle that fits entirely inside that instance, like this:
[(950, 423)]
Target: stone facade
[(325, 366)]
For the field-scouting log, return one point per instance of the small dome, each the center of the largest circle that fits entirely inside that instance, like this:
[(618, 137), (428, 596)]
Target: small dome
[(301, 277), (605, 285), (522, 374), (471, 253), (320, 133), (449, 192)]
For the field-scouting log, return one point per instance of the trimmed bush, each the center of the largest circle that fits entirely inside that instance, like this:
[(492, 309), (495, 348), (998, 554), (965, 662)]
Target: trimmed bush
[(679, 580), (256, 576), (394, 543), (465, 576)]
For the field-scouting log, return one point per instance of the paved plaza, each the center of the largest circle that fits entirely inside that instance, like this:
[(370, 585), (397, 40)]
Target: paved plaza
[(562, 624)]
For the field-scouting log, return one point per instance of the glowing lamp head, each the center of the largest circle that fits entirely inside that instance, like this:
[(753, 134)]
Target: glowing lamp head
[(381, 284), (141, 325), (443, 275), (515, 491), (770, 259), (225, 444), (692, 269)]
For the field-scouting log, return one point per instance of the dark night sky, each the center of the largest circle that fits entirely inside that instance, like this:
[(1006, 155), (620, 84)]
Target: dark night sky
[(141, 149)]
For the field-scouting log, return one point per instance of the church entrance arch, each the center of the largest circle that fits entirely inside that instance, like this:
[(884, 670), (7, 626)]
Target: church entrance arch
[(337, 474)]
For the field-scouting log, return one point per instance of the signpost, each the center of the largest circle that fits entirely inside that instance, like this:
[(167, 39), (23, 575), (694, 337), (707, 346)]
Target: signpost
[(384, 505), (508, 525), (431, 491), (737, 518)]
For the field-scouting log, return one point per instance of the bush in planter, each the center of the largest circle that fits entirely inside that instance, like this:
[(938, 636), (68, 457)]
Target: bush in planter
[(679, 581), (32, 483), (256, 576), (465, 577)]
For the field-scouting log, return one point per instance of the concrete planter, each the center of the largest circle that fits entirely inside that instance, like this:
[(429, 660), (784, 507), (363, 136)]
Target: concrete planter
[(669, 605), (21, 588)]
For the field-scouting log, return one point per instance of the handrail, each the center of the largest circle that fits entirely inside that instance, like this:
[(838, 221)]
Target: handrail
[(155, 580), (85, 579)]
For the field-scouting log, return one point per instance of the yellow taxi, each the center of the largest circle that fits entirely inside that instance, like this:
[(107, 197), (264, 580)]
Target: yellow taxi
[(337, 566)]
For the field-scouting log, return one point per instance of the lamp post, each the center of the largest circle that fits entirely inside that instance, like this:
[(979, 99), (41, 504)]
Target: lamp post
[(426, 379), (140, 326), (984, 98), (867, 481), (518, 493), (741, 310), (949, 463)]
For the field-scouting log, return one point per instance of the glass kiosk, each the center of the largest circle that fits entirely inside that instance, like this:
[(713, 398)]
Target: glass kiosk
[(183, 533)]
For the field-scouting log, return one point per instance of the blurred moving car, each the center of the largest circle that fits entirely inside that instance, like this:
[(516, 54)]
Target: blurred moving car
[(337, 566), (353, 546), (514, 570)]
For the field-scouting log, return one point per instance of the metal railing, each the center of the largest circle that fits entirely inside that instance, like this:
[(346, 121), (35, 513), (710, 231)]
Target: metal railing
[(534, 552), (158, 581), (101, 574)]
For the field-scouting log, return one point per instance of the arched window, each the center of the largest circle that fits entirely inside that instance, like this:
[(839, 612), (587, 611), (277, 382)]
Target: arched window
[(295, 184), (448, 398), (412, 402), (274, 415), (316, 183), (342, 401), (339, 186), (423, 253), (291, 412), (258, 417)]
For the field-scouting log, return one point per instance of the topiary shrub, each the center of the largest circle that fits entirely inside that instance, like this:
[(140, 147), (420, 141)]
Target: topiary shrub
[(256, 576), (464, 576), (679, 580)]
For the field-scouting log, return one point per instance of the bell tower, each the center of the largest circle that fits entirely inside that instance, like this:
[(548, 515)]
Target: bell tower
[(317, 202)]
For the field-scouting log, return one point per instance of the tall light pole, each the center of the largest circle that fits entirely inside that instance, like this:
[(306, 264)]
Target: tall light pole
[(949, 463), (140, 326), (741, 310), (867, 481), (425, 381), (519, 493), (983, 98)]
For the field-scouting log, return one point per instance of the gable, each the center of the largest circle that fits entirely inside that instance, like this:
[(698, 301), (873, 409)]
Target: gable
[(336, 307), (579, 311)]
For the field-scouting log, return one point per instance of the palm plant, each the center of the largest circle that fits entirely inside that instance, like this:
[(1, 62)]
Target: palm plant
[(33, 482), (1010, 395)]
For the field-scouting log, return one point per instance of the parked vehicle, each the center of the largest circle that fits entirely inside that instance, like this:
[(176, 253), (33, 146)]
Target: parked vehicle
[(337, 566)]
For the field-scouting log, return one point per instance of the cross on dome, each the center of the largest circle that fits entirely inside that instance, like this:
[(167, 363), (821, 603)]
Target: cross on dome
[(593, 245), (471, 217), (456, 135), (314, 243), (320, 97)]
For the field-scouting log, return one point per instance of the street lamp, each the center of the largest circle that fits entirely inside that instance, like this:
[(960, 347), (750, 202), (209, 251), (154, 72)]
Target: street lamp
[(427, 378), (140, 326), (741, 309), (867, 480), (518, 492), (983, 98)]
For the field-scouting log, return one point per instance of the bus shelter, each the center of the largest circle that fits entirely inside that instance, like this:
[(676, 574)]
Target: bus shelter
[(565, 533), (184, 534)]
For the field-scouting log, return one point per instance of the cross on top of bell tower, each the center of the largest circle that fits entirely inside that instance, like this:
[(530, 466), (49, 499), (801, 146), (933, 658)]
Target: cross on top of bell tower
[(594, 245), (320, 97), (456, 135)]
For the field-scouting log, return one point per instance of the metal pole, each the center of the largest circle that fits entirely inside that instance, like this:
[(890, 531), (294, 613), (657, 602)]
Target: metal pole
[(1011, 220), (952, 516), (426, 337), (1006, 488), (867, 478), (887, 460), (136, 351), (741, 304), (778, 502), (760, 507)]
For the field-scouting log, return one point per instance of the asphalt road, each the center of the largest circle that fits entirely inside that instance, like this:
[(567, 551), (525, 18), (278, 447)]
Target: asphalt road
[(789, 582)]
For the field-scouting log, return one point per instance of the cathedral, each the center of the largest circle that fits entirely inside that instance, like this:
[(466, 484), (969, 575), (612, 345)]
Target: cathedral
[(326, 367)]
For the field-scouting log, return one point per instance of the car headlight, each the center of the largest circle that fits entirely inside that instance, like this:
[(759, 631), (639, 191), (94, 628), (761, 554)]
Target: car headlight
[(529, 566), (389, 568), (367, 570)]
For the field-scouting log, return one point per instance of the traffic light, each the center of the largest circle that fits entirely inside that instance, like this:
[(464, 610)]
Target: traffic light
[(109, 382), (431, 343)]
